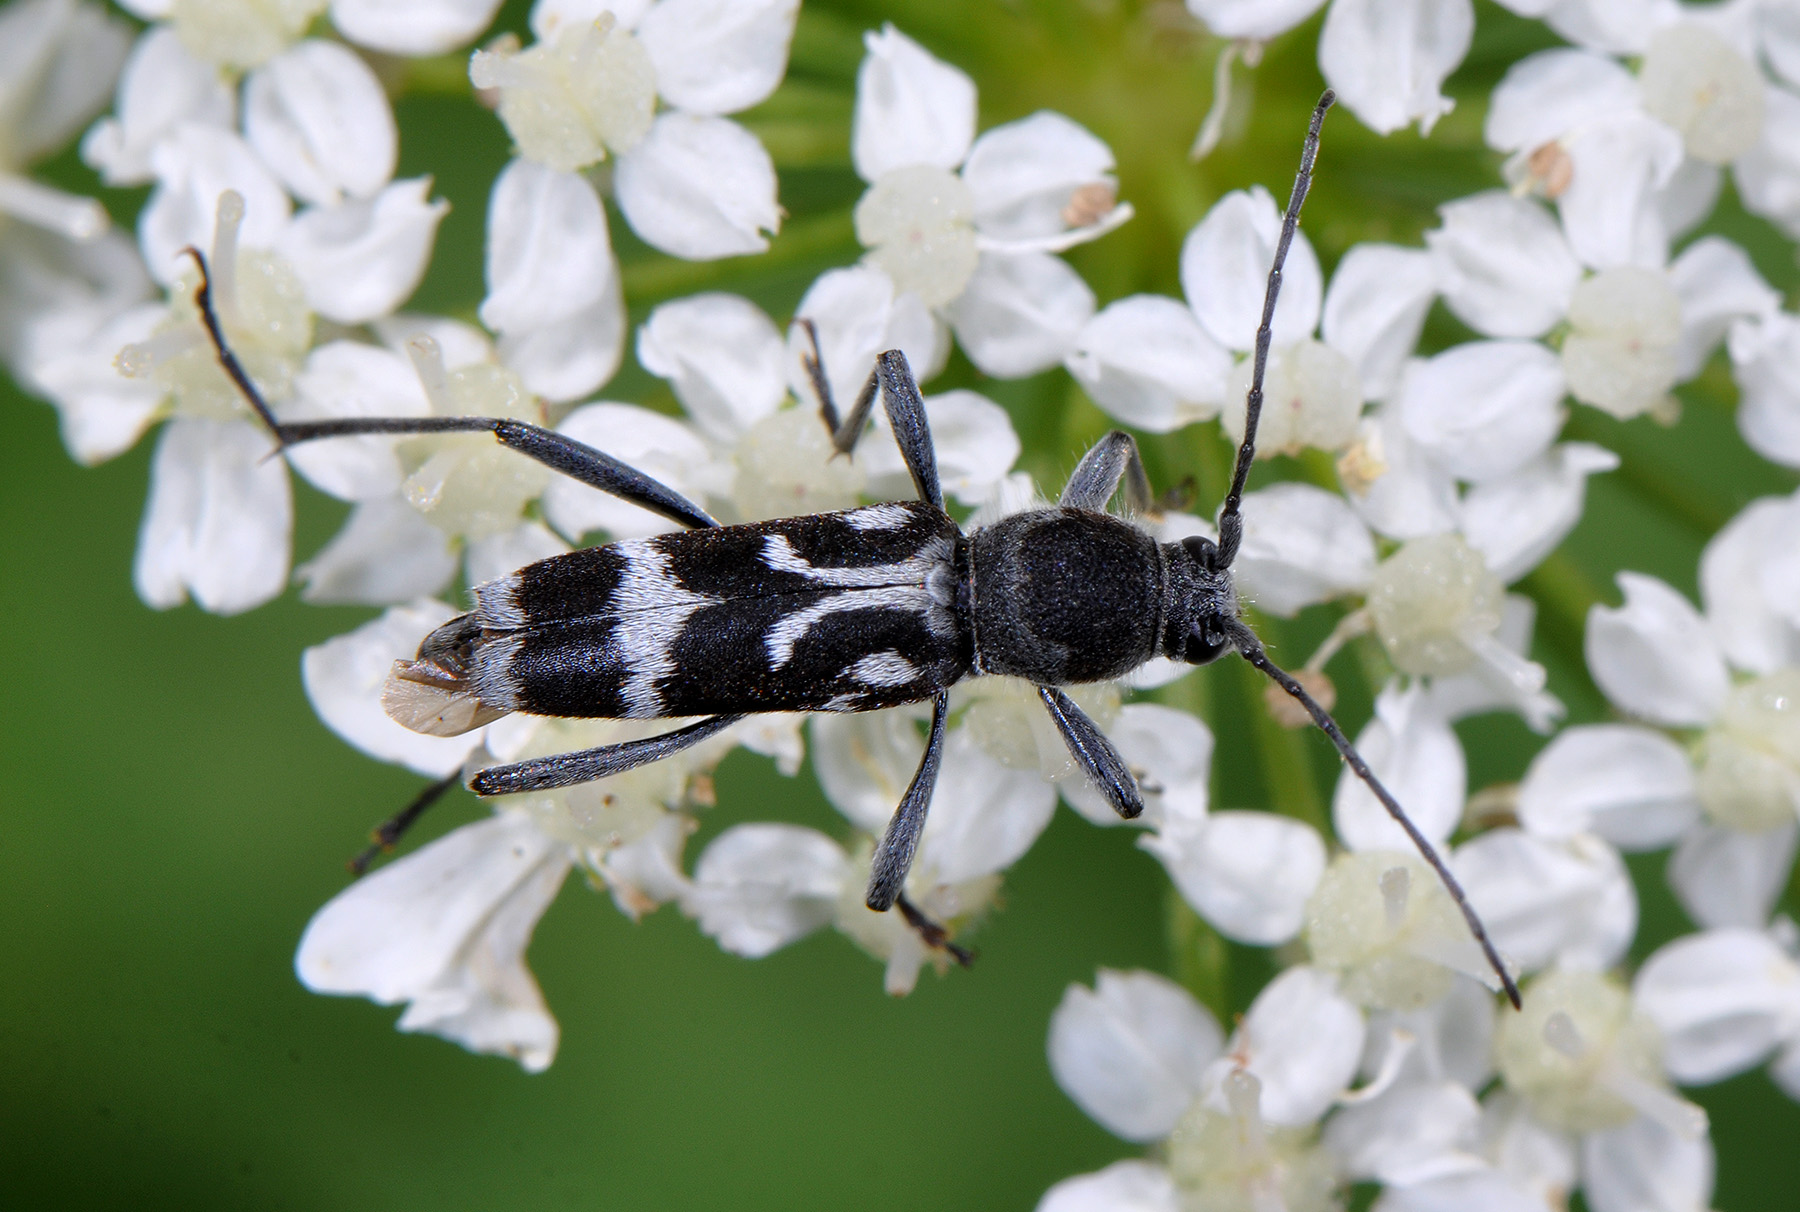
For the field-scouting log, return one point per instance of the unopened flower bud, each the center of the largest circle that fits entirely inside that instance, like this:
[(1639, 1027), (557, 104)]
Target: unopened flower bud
[(566, 103), (1620, 352), (1435, 605), (1311, 397), (918, 224), (1382, 922), (1749, 761)]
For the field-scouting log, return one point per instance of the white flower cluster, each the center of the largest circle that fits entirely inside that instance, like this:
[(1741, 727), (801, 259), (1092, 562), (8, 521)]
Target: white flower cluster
[(1379, 1058)]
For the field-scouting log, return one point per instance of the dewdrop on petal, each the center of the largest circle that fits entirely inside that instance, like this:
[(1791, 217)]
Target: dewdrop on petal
[(466, 483), (1382, 921), (261, 305), (1234, 1161), (1619, 355), (786, 466), (1749, 760), (918, 224), (566, 103), (1693, 80), (1586, 1059), (1312, 397)]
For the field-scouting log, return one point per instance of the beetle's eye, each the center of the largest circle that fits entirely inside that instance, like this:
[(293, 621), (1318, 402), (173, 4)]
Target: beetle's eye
[(1204, 551), (1206, 643)]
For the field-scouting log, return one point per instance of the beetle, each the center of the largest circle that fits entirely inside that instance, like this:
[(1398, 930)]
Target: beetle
[(856, 610)]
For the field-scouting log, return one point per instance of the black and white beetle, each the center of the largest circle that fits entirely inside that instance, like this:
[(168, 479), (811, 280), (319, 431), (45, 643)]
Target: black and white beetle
[(850, 611)]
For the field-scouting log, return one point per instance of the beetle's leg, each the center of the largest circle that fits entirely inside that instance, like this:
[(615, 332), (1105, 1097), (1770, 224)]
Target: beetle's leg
[(586, 765), (390, 831), (1113, 458), (576, 460), (1094, 753), (906, 413), (894, 856)]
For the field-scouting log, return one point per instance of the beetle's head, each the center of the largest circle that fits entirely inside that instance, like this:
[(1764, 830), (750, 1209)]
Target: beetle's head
[(1202, 602)]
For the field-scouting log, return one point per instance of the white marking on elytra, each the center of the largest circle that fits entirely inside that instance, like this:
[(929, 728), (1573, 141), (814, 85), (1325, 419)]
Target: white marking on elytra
[(901, 585), (892, 516), (887, 668), (653, 608)]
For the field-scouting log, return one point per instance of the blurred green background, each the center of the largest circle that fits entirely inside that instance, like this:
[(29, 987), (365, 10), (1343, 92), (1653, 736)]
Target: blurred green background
[(173, 811)]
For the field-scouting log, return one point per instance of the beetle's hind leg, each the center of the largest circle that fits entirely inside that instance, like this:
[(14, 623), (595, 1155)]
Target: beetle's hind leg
[(586, 765), (899, 391), (577, 460)]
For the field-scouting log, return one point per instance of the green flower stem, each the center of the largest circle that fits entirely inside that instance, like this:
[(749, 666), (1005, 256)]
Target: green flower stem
[(1288, 776), (1199, 957), (1564, 594), (819, 241)]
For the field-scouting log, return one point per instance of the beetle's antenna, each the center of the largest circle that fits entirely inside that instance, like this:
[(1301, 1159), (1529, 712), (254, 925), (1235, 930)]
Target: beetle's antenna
[(1231, 523), (390, 831), (227, 359), (1252, 650)]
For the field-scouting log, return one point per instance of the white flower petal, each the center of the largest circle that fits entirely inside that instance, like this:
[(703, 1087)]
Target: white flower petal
[(1374, 309), (984, 815), (911, 108), (723, 357), (700, 188), (1476, 1191), (1414, 1133), (317, 116), (1248, 873), (1484, 408), (103, 413), (361, 259), (1388, 61), (1632, 786), (1147, 362), (387, 552), (1689, 197), (1225, 271), (1609, 210), (1171, 753), (1765, 361), (1722, 1001), (445, 929), (1302, 1040), (1618, 27), (1503, 264), (1410, 495), (718, 56), (646, 872), (415, 28), (1302, 545), (1768, 176), (1730, 877), (1414, 753), (759, 887), (1538, 1159), (193, 166), (493, 556), (350, 379), (568, 358), (1131, 1052), (858, 316), (1750, 623), (1125, 1186), (864, 762), (656, 445), (162, 87), (344, 677), (1644, 1167), (1020, 314), (219, 520), (1484, 687), (1548, 902), (1022, 174), (1517, 519), (1544, 96), (1253, 19), (1654, 656), (59, 64), (548, 252)]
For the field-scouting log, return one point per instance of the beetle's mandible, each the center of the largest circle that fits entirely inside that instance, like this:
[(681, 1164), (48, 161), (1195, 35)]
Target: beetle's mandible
[(851, 611)]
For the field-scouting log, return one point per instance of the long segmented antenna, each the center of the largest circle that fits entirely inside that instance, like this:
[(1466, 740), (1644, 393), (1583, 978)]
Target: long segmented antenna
[(1231, 532)]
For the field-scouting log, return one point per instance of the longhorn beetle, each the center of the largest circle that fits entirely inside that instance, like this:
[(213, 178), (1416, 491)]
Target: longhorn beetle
[(849, 611)]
